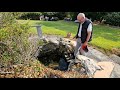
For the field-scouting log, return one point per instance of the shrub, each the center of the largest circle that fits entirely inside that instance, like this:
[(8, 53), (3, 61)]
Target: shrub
[(60, 15), (30, 15), (113, 18), (6, 19), (14, 44), (99, 16)]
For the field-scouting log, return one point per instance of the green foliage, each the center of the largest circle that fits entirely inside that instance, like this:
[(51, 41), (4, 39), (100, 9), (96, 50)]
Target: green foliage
[(113, 18), (40, 43), (60, 15), (93, 15), (17, 14), (73, 15), (30, 15), (96, 15), (15, 37), (6, 18)]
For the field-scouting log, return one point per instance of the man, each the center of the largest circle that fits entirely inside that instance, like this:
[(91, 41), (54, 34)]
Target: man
[(84, 34)]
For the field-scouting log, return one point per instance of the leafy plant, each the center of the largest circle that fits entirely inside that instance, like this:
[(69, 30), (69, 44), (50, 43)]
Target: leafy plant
[(113, 18)]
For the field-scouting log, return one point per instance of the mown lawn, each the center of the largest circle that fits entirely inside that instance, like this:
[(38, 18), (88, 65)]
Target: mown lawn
[(104, 37)]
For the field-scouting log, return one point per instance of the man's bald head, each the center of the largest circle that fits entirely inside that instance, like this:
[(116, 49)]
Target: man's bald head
[(81, 17)]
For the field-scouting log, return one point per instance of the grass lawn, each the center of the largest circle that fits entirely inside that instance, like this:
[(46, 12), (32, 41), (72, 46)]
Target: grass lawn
[(104, 37)]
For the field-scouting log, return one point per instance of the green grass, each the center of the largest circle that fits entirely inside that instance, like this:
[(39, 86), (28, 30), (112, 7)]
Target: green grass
[(53, 27), (104, 37)]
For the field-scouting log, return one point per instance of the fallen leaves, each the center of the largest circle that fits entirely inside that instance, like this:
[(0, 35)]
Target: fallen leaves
[(37, 70)]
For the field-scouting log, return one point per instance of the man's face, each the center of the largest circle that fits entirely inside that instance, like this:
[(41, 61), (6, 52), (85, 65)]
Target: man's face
[(80, 18)]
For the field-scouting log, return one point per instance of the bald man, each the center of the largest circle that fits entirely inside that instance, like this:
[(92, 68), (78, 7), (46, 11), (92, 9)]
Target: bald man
[(84, 34)]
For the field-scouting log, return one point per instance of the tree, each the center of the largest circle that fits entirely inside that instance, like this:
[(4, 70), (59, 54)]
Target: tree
[(30, 15), (113, 18), (73, 15), (60, 15), (96, 15)]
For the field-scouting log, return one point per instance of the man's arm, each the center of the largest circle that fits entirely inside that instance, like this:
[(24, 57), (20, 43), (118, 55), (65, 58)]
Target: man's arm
[(88, 37), (89, 30)]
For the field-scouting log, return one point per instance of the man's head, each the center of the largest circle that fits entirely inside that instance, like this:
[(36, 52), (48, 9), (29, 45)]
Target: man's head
[(81, 17)]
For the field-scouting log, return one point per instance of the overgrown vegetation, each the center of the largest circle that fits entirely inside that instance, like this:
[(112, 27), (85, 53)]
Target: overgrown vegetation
[(14, 40), (35, 69)]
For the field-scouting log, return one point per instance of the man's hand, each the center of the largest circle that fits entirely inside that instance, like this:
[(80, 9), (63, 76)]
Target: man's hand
[(84, 45)]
